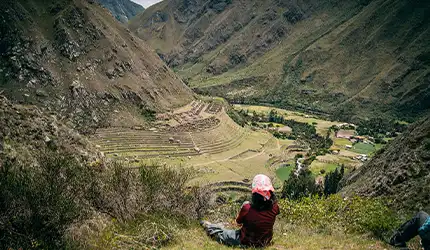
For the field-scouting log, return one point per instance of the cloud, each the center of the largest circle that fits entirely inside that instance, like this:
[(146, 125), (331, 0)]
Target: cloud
[(146, 3)]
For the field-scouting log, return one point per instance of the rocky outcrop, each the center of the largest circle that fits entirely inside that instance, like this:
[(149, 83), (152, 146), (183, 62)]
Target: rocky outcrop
[(401, 171), (27, 131), (81, 64)]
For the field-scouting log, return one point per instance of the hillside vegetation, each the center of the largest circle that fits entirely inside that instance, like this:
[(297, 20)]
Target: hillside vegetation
[(400, 171), (73, 58), (348, 58)]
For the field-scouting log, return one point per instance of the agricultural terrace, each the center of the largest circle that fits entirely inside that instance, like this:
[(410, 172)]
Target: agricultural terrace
[(225, 155), (197, 129)]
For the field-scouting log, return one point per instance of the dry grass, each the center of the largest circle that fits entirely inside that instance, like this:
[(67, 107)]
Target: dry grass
[(285, 237)]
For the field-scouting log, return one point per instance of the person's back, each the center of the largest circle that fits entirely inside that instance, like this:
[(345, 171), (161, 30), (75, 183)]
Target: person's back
[(257, 218), (257, 226)]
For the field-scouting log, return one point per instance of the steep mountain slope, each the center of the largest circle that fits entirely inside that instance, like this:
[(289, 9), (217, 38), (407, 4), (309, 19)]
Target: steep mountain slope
[(401, 171), (73, 58), (123, 10), (27, 132), (368, 57)]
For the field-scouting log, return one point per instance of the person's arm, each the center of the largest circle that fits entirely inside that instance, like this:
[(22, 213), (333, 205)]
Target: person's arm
[(242, 213), (276, 207)]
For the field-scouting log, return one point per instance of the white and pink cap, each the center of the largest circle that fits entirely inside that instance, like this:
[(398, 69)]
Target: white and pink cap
[(262, 184)]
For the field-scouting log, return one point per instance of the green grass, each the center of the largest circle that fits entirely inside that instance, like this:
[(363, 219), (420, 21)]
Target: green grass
[(283, 173), (313, 223), (363, 148), (317, 166), (341, 142)]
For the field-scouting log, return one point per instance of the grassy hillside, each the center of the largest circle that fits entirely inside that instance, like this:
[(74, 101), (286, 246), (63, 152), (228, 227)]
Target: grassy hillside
[(400, 171), (348, 58), (73, 58)]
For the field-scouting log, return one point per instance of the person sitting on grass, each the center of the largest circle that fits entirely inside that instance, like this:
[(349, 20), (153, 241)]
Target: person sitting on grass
[(256, 218), (418, 225)]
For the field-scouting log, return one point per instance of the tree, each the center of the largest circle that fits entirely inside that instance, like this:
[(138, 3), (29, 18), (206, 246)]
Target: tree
[(332, 179), (299, 186)]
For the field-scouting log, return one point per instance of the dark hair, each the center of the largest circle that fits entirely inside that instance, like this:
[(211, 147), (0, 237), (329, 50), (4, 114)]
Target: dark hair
[(260, 204)]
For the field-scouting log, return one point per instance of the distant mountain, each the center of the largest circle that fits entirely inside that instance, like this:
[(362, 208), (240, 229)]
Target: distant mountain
[(353, 59), (72, 58), (401, 171), (123, 10)]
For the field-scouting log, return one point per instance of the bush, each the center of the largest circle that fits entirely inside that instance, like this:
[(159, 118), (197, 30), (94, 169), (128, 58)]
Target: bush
[(148, 114), (37, 203), (47, 204), (357, 215)]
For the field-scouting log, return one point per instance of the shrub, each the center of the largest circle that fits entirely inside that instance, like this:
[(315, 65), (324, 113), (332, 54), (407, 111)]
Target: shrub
[(359, 215), (37, 203), (58, 199), (148, 114)]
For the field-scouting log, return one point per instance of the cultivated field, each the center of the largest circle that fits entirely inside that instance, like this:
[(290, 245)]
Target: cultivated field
[(202, 136), (321, 125)]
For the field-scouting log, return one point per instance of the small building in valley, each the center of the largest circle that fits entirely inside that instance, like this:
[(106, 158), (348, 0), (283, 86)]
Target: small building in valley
[(347, 134), (286, 130)]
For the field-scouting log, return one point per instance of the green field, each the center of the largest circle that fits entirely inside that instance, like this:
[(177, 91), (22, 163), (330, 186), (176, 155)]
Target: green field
[(283, 173), (363, 148), (341, 142), (317, 166)]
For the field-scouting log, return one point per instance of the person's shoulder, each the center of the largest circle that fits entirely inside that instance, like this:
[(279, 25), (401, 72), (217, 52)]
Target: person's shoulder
[(246, 206)]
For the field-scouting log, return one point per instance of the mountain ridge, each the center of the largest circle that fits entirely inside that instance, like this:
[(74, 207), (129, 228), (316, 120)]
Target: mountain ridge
[(74, 59), (122, 10), (338, 57)]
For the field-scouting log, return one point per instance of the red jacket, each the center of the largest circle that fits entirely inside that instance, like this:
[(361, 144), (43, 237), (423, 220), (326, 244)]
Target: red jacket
[(257, 226)]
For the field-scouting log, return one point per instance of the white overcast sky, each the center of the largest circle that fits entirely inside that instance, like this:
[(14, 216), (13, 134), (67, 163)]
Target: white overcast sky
[(146, 3)]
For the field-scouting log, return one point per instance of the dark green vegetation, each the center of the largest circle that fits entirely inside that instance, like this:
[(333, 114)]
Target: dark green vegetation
[(47, 206), (301, 184), (122, 10), (74, 59), (351, 59), (380, 128), (332, 179), (399, 171)]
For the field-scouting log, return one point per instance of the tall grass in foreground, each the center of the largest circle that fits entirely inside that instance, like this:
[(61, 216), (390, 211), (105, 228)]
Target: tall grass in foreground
[(59, 202)]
